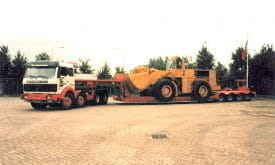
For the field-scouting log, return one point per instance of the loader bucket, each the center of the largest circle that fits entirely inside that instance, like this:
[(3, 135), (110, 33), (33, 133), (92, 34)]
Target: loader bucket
[(142, 80)]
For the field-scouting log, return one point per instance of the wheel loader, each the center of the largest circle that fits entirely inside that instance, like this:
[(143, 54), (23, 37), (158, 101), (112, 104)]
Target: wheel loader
[(175, 81)]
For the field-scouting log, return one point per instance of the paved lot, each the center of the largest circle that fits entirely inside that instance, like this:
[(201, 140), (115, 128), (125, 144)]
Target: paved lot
[(212, 133)]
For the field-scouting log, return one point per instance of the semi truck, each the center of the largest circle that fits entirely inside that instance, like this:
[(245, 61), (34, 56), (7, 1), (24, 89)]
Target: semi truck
[(57, 84)]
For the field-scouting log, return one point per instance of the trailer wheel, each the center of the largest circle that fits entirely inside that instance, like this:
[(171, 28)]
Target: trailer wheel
[(239, 97), (201, 91), (247, 97), (230, 98), (221, 98), (164, 91), (81, 100), (103, 98), (67, 101), (38, 105)]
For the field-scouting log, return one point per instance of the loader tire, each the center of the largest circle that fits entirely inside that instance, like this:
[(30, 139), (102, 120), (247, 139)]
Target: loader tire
[(201, 91), (164, 91)]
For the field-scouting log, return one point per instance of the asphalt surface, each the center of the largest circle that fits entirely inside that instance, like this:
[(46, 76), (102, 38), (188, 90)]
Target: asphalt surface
[(186, 133)]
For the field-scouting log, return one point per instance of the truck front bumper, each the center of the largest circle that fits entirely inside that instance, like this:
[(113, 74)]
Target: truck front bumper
[(42, 97)]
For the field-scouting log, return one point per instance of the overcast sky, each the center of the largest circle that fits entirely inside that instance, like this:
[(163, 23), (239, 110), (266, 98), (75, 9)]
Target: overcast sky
[(130, 32)]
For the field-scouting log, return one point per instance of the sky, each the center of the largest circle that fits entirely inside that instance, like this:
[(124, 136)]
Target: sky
[(130, 32)]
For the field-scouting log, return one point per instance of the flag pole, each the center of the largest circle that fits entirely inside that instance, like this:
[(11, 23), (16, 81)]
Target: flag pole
[(247, 70)]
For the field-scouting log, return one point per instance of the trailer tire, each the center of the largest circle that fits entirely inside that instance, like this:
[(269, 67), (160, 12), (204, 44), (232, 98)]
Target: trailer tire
[(221, 98), (247, 97), (81, 100), (230, 98), (164, 90), (239, 97), (201, 91), (38, 105)]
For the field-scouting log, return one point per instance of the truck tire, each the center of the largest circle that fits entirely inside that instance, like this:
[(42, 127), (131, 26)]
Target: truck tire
[(103, 98), (81, 100), (67, 101), (164, 91), (247, 97), (201, 91), (95, 101), (38, 105)]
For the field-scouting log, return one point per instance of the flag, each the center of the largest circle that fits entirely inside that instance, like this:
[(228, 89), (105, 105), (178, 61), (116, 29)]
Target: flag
[(244, 53)]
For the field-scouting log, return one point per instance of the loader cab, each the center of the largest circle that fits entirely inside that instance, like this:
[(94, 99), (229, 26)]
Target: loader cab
[(175, 63)]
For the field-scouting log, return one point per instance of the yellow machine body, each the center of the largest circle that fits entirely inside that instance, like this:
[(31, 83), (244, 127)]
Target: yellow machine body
[(143, 77)]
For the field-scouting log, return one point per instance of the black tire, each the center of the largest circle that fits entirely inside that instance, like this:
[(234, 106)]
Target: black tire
[(146, 92), (230, 98), (247, 97), (68, 101), (96, 99), (103, 98), (221, 98), (239, 97), (38, 105), (81, 100), (201, 91), (164, 91)]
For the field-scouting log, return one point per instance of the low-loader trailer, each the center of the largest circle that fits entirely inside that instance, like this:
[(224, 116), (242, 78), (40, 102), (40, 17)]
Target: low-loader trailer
[(56, 84)]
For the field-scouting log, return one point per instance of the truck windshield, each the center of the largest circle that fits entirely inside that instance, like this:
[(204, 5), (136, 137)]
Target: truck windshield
[(40, 72)]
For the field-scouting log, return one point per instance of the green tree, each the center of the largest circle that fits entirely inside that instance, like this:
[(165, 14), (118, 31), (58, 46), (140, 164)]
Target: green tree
[(221, 75), (120, 69), (19, 65), (85, 67), (205, 60), (5, 62), (158, 63), (104, 72), (42, 56), (189, 64), (237, 69), (262, 71)]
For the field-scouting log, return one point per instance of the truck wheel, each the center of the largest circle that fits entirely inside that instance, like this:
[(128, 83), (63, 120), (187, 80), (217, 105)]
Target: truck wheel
[(95, 101), (81, 100), (221, 98), (38, 105), (164, 91), (230, 98), (201, 91), (103, 98), (239, 97), (67, 101), (247, 97)]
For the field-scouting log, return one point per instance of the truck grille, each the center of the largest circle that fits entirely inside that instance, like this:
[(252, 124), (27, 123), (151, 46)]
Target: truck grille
[(40, 87)]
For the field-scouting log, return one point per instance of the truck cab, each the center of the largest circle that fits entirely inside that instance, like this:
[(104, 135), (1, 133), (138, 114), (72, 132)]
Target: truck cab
[(49, 83), (48, 77)]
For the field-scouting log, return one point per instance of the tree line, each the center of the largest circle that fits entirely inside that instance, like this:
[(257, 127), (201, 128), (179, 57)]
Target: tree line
[(261, 67)]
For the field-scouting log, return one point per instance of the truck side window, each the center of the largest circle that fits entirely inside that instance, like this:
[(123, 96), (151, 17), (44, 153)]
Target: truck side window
[(66, 71), (70, 71), (63, 71)]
